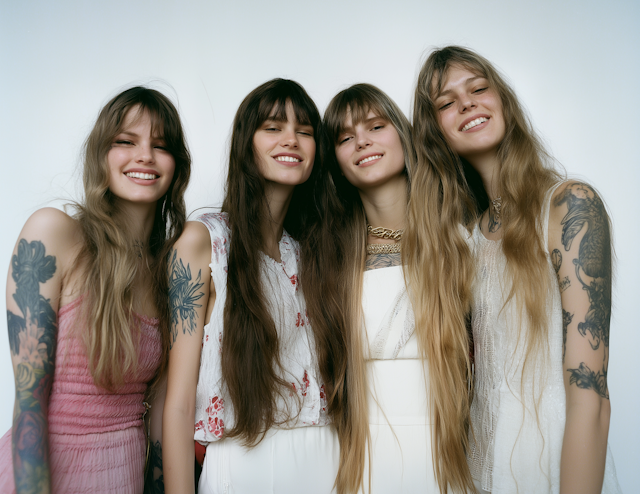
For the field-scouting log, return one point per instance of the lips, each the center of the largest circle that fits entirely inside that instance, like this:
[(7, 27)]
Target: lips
[(288, 159), (473, 122), (368, 159)]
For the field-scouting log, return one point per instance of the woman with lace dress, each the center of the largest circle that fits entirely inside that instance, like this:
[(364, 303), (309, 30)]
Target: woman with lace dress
[(86, 303), (541, 295), (254, 355), (371, 157)]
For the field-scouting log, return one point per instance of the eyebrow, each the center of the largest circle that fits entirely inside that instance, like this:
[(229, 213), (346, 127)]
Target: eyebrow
[(366, 121), (470, 79)]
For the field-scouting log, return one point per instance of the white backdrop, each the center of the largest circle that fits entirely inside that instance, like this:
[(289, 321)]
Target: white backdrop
[(574, 64)]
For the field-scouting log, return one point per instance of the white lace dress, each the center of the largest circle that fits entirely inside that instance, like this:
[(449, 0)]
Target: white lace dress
[(513, 451), (303, 454), (399, 421)]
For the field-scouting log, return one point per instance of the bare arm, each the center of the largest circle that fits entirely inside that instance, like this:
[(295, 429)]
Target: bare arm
[(580, 243), (154, 481), (33, 293), (191, 297)]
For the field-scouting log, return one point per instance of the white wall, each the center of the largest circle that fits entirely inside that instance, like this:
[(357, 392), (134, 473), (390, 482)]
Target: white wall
[(574, 64)]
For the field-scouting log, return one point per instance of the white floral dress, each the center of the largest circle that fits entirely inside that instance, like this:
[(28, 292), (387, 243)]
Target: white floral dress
[(306, 439)]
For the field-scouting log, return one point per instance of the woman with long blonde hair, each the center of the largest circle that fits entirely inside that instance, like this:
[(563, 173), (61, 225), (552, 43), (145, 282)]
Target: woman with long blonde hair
[(87, 307), (370, 153), (540, 298)]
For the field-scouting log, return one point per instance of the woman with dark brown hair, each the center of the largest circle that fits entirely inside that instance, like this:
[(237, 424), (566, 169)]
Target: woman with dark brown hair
[(253, 366)]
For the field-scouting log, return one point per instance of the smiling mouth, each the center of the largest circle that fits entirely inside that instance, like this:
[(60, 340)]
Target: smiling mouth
[(474, 123), (370, 158), (142, 176), (287, 159)]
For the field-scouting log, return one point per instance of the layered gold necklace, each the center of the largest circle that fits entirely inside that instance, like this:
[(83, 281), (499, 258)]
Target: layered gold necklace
[(385, 233)]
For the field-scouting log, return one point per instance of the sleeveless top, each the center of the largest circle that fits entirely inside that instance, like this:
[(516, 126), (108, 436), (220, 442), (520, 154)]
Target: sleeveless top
[(398, 379), (305, 405), (96, 438), (516, 444)]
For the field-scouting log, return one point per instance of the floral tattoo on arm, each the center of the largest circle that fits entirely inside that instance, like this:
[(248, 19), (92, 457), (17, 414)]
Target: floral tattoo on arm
[(32, 341)]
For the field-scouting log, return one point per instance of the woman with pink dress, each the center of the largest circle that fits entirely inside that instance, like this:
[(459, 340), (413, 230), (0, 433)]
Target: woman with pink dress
[(86, 303)]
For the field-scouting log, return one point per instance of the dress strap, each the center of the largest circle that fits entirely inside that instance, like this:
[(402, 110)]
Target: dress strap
[(544, 214)]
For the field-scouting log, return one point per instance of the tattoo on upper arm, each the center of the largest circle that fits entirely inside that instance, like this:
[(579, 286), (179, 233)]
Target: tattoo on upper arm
[(183, 294), (32, 341), (567, 317), (593, 271), (154, 483), (585, 378), (377, 261)]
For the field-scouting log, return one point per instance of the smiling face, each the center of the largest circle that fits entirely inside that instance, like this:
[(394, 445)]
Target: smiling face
[(140, 167), (370, 152), (285, 150), (470, 114)]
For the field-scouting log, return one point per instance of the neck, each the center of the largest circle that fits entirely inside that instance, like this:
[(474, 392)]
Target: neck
[(278, 200), (487, 167), (140, 219), (386, 205)]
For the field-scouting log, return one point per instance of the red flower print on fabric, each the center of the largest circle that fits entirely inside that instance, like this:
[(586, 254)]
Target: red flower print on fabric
[(323, 399), (215, 405), (300, 321), (216, 426), (199, 425)]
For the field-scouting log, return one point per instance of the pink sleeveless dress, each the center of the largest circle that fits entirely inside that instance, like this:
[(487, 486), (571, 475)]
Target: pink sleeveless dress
[(96, 438)]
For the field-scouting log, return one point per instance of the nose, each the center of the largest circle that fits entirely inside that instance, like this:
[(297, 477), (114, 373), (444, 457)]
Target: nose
[(289, 138), (362, 140), (467, 103), (145, 154)]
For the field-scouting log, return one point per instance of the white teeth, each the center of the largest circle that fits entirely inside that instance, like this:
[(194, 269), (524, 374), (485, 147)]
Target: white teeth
[(289, 159), (143, 176), (370, 158), (473, 123)]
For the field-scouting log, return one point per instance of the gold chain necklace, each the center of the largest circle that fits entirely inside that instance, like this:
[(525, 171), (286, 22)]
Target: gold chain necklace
[(497, 207), (383, 248), (381, 232), (386, 233)]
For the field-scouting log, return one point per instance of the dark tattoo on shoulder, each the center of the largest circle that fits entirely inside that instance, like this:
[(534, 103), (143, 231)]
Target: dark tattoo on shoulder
[(154, 481), (32, 341), (377, 261), (592, 267), (183, 294), (567, 317), (585, 378), (494, 222)]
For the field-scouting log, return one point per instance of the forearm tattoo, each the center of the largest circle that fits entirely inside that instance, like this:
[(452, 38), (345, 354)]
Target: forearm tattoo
[(377, 261), (32, 341), (593, 271), (154, 483), (183, 295)]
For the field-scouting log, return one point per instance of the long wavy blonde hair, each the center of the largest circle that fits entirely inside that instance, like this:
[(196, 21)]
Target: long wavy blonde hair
[(349, 229), (438, 252), (111, 253)]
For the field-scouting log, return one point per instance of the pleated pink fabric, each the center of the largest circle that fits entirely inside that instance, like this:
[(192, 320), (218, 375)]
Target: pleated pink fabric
[(96, 438)]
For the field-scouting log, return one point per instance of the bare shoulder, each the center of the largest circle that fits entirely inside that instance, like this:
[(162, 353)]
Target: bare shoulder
[(195, 239), (573, 204), (60, 233)]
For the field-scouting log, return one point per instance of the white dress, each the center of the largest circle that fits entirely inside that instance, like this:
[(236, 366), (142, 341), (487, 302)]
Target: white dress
[(400, 425), (302, 455), (512, 451)]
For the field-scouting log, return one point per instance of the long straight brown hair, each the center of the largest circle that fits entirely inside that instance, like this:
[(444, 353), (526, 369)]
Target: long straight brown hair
[(250, 347), (438, 249), (111, 250)]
